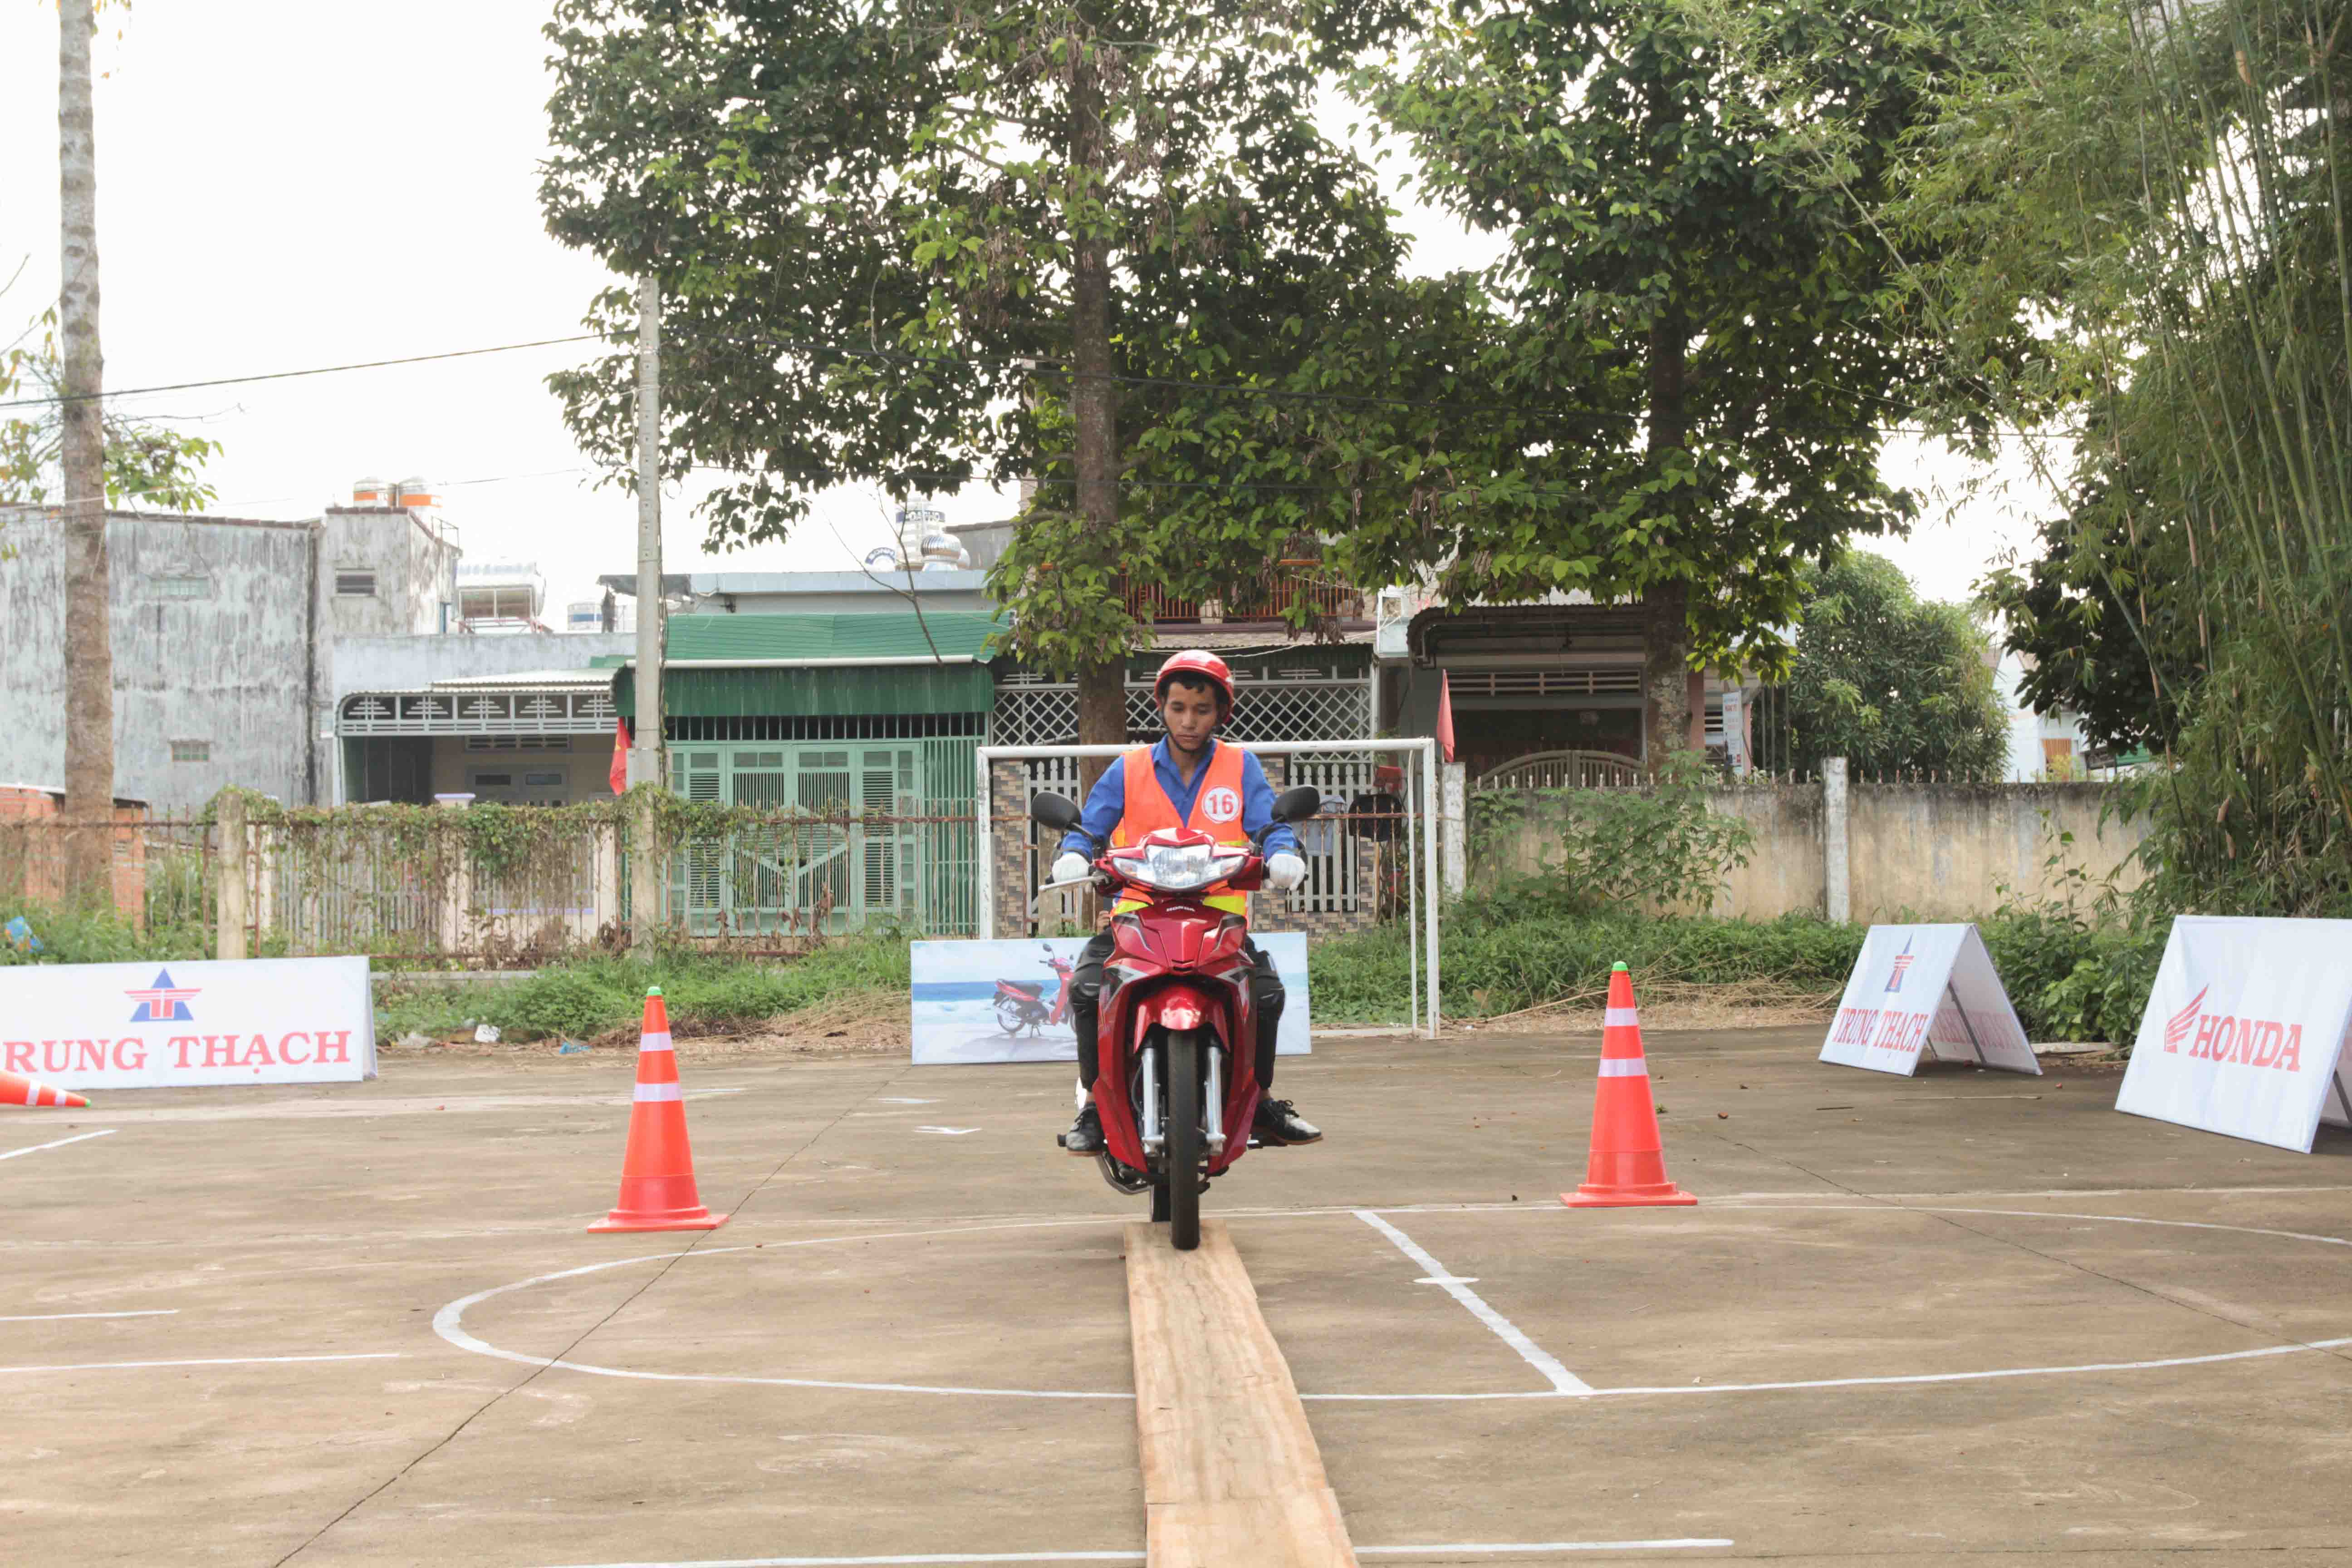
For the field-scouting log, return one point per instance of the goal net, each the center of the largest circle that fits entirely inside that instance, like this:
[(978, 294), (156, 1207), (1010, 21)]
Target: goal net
[(1371, 854)]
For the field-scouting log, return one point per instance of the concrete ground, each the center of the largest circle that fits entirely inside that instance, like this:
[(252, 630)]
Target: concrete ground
[(1962, 1315)]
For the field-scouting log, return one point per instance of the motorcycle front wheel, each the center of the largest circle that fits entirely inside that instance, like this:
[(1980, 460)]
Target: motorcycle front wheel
[(1181, 1174)]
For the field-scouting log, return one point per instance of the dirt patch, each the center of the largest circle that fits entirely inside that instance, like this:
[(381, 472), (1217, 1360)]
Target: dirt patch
[(859, 1023), (1675, 1004)]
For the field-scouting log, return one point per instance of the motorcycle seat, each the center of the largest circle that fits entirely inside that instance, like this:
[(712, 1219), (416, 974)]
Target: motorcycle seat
[(1027, 988)]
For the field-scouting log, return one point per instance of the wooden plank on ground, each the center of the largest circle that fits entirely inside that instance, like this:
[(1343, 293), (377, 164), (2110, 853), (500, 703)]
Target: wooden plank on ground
[(1231, 1473)]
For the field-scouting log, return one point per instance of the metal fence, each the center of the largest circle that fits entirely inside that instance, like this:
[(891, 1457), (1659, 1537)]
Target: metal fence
[(356, 881)]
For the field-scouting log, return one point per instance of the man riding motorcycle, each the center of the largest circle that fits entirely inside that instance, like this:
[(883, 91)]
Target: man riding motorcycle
[(1188, 780)]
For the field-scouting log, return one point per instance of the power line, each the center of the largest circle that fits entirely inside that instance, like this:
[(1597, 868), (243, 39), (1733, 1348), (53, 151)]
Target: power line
[(63, 398)]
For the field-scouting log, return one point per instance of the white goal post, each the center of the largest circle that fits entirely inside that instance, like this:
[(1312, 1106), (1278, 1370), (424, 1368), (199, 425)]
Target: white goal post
[(1421, 829)]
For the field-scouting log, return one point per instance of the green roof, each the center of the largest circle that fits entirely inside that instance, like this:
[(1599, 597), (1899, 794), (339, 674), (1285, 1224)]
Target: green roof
[(830, 666), (947, 634)]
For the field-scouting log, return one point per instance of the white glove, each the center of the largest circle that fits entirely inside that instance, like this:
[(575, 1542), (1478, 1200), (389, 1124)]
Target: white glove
[(1070, 867), (1285, 871)]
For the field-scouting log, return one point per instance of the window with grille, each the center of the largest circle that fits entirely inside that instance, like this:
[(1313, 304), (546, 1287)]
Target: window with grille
[(355, 584), (192, 751)]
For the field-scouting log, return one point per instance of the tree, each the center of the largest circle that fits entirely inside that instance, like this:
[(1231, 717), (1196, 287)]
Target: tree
[(90, 650), (1892, 683), (1706, 337), (921, 243), (2156, 199)]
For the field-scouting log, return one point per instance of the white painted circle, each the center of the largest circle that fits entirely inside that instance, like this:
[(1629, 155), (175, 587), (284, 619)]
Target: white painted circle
[(449, 1322), (1221, 804)]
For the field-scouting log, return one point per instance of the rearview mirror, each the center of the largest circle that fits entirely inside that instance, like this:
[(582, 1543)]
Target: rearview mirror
[(1059, 812), (1298, 805)]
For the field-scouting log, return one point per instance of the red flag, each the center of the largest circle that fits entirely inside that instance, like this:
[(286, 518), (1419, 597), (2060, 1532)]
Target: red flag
[(1445, 714), (619, 772)]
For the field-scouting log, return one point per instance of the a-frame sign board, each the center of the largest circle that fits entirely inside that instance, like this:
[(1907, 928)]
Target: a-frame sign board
[(2248, 1030), (1923, 990)]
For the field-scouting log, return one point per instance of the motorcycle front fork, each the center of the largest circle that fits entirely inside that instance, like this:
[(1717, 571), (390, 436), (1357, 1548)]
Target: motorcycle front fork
[(1150, 1129)]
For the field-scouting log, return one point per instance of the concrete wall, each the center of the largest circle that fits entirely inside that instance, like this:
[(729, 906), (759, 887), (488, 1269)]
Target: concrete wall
[(226, 664), (1928, 852), (1944, 852)]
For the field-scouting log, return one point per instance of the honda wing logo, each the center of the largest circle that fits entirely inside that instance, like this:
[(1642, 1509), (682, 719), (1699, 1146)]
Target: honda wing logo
[(163, 1003), (2176, 1027)]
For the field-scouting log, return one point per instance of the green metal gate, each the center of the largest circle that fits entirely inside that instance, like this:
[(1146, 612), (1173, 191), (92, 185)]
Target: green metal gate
[(855, 835)]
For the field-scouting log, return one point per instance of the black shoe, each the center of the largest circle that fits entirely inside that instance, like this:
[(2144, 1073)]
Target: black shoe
[(1277, 1123), (1085, 1136)]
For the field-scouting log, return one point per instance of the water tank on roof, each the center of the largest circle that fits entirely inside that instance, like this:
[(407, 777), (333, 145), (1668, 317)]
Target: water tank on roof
[(942, 551), (416, 491), (370, 492)]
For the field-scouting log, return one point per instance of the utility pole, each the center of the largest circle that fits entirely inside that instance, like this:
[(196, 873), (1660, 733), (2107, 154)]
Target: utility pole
[(646, 755), (89, 647)]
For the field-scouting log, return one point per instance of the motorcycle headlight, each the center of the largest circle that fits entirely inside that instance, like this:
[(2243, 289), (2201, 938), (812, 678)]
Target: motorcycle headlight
[(1182, 867)]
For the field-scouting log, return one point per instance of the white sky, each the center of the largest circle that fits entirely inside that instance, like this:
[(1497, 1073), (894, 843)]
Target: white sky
[(284, 184)]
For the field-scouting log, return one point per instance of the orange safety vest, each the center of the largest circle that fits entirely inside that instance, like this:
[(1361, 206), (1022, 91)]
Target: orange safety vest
[(1216, 811)]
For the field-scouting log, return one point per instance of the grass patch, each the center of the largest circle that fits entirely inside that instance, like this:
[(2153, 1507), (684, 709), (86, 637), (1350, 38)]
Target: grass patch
[(2069, 979), (100, 936), (587, 997)]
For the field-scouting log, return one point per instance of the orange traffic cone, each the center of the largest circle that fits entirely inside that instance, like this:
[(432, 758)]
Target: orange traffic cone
[(657, 1173), (16, 1090), (1627, 1167)]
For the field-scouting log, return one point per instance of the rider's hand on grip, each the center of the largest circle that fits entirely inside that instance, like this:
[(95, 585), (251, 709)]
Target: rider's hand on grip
[(1284, 872), (1071, 865)]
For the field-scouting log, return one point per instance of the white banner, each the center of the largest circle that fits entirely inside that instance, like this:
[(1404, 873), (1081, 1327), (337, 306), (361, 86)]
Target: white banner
[(1004, 1001), (1918, 990), (157, 1026), (2244, 1032)]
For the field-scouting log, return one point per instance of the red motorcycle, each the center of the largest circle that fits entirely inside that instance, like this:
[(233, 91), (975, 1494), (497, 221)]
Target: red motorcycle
[(1178, 1028), (1021, 1004)]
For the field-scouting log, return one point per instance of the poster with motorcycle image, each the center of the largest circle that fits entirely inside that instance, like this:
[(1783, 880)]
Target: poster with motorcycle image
[(1009, 1000)]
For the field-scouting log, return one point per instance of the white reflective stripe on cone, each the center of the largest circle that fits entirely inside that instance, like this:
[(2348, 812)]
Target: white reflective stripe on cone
[(659, 1042), (658, 1092), (1625, 1066), (1621, 1018)]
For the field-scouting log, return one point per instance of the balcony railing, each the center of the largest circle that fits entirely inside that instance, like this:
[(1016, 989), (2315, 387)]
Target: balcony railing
[(1270, 599)]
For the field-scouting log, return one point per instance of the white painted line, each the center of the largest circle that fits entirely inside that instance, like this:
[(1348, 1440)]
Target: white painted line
[(1562, 1380), (949, 1557), (957, 1557), (1682, 1544), (901, 1099), (78, 1137), (1862, 1382), (60, 1317), (448, 1322), (948, 1132), (1448, 1279), (208, 1361)]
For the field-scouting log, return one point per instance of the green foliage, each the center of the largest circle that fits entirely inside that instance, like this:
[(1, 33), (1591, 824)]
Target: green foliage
[(589, 996), (147, 465), (1705, 337), (1889, 681), (101, 936), (2154, 198), (1525, 949), (1658, 847), (869, 224)]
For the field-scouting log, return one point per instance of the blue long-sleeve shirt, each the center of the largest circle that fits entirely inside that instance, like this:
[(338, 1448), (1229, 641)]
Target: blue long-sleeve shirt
[(1108, 802)]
